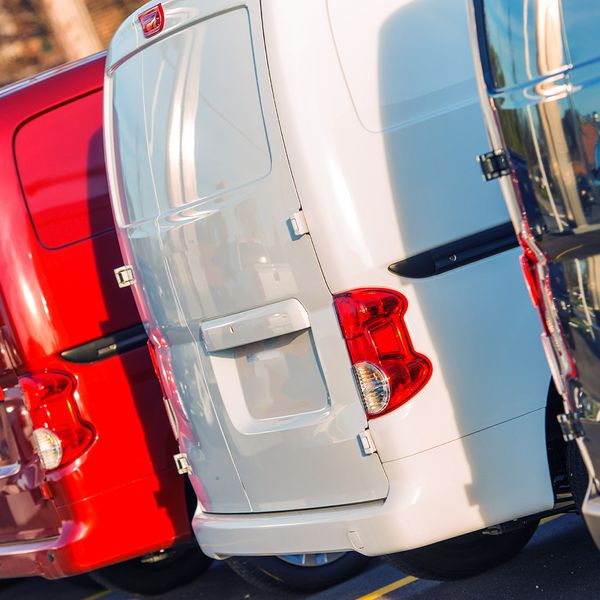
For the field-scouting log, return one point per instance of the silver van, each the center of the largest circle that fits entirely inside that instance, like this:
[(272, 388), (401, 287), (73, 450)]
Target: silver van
[(538, 65)]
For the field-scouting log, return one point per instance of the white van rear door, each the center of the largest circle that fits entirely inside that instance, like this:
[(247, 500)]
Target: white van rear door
[(254, 342)]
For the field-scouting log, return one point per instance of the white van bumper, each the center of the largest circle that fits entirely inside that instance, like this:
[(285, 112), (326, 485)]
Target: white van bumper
[(483, 479)]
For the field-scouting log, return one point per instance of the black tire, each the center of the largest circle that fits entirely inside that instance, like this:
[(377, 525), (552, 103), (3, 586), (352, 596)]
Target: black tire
[(176, 567), (577, 473), (86, 581), (272, 573), (462, 556)]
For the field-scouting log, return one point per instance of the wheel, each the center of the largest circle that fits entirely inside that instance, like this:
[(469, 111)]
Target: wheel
[(155, 573), (298, 572), (578, 475), (462, 556)]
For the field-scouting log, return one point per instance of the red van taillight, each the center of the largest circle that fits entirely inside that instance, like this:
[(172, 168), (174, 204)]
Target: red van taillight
[(59, 433), (388, 370), (528, 264), (535, 282)]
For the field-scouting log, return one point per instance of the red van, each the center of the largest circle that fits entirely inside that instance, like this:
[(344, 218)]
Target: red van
[(87, 477)]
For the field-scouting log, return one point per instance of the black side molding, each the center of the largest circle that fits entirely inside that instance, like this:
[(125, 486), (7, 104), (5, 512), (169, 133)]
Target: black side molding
[(457, 253), (107, 346)]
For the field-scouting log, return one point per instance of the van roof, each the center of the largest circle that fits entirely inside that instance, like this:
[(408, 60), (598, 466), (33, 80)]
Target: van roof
[(23, 83)]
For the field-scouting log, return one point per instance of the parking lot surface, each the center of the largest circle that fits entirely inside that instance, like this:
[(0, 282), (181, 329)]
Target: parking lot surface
[(560, 562)]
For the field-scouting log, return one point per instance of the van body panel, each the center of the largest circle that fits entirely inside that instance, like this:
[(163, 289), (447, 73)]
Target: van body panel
[(392, 170), (415, 513), (208, 206), (57, 295), (68, 201), (538, 68), (388, 194)]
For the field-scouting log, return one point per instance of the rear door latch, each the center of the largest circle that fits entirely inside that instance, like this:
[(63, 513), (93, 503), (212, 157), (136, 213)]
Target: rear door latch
[(366, 442), (182, 463), (299, 224), (125, 276), (494, 164), (570, 425)]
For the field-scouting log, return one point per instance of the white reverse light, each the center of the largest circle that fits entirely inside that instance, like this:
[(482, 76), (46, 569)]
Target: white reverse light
[(374, 387), (48, 447)]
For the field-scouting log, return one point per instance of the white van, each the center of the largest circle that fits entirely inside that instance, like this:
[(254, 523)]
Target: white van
[(331, 289)]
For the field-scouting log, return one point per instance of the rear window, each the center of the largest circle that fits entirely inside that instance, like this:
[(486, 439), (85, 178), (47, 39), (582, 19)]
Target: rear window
[(188, 122), (60, 161)]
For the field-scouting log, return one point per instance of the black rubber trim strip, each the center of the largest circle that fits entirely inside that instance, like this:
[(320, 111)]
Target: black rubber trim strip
[(107, 346), (457, 253)]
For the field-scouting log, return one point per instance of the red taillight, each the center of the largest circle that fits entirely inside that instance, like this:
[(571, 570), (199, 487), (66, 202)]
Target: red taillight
[(60, 435), (388, 370), (528, 264), (152, 20)]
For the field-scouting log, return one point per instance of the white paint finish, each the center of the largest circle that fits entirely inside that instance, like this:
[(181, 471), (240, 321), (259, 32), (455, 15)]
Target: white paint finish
[(434, 495), (399, 42), (390, 195), (272, 385), (228, 249), (378, 197), (201, 148), (255, 325), (477, 326)]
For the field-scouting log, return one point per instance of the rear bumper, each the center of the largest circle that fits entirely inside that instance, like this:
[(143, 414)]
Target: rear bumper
[(591, 513), (486, 478), (105, 529)]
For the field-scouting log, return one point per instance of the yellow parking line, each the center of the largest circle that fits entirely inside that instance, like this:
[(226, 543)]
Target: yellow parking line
[(406, 580), (388, 588), (551, 518), (97, 595)]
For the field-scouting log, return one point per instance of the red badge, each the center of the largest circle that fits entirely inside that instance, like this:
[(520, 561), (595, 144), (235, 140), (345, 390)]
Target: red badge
[(152, 20)]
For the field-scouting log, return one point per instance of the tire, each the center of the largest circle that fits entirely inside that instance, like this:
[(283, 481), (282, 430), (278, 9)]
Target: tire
[(577, 473), (275, 573), (86, 581), (462, 556), (155, 573)]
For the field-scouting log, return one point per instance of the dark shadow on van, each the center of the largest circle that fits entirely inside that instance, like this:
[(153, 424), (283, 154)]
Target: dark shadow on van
[(156, 454), (479, 317)]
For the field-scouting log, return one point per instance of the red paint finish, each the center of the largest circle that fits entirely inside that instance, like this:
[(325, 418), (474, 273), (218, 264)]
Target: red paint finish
[(26, 513), (118, 496), (63, 176), (152, 20)]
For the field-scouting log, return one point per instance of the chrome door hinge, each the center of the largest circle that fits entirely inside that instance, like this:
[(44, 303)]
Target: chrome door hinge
[(125, 276), (367, 443), (299, 225), (494, 164), (182, 463), (570, 425)]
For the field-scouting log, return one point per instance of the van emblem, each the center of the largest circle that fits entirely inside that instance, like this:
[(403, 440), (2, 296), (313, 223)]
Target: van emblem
[(152, 20)]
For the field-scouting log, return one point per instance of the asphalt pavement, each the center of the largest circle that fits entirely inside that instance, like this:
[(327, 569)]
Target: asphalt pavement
[(560, 562)]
